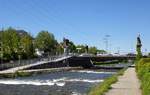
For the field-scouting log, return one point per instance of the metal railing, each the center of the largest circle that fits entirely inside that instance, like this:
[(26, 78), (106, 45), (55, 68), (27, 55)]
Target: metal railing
[(22, 62)]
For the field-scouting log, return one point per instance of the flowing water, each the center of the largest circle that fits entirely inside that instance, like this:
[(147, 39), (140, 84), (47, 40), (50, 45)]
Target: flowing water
[(74, 82)]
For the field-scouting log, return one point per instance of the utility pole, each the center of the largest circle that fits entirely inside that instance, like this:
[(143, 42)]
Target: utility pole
[(146, 52), (106, 41), (118, 50)]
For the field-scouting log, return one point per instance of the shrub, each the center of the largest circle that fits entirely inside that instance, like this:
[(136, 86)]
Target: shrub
[(143, 72)]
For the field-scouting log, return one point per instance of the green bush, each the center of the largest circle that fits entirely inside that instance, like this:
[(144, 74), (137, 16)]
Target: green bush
[(143, 72), (143, 66), (145, 84)]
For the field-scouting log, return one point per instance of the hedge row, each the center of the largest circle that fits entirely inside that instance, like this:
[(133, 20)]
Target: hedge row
[(143, 72)]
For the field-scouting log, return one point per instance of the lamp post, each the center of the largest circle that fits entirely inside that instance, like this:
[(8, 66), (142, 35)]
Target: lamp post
[(118, 50)]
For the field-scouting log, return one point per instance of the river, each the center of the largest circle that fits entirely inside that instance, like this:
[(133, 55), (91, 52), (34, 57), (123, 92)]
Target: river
[(74, 82)]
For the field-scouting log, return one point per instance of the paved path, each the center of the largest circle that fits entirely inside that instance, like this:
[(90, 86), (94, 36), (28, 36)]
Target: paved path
[(128, 84)]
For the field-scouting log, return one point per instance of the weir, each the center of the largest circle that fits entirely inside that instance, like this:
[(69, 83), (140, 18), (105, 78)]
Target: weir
[(70, 61), (85, 62)]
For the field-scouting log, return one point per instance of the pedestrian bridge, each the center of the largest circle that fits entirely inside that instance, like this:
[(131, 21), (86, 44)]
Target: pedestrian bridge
[(39, 63)]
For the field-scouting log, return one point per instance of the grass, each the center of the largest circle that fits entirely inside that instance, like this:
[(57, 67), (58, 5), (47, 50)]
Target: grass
[(106, 63), (103, 87), (110, 62), (143, 72)]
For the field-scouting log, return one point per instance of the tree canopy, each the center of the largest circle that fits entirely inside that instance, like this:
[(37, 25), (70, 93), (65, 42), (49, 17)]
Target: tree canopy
[(15, 43), (138, 49), (45, 41)]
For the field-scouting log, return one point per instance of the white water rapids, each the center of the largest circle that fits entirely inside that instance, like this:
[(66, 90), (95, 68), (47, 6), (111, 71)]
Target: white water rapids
[(73, 82), (58, 82)]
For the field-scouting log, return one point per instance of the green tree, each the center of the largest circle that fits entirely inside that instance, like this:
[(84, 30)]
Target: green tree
[(80, 49), (101, 51), (1, 48), (93, 50), (139, 53), (10, 42), (72, 47), (45, 41), (59, 48), (26, 44), (138, 49)]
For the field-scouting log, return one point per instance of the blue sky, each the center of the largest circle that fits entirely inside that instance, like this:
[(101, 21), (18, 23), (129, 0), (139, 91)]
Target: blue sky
[(82, 21)]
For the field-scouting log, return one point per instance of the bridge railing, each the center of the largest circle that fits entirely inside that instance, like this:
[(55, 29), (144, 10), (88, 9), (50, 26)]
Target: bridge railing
[(21, 62)]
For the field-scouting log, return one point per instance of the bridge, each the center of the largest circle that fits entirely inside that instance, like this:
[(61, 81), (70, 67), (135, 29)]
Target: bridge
[(39, 63), (68, 61)]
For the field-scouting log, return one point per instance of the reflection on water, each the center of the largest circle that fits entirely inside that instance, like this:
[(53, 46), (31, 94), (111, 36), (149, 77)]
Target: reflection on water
[(56, 83)]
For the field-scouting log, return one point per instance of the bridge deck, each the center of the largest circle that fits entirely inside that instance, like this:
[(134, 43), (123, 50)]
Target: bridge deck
[(13, 70)]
